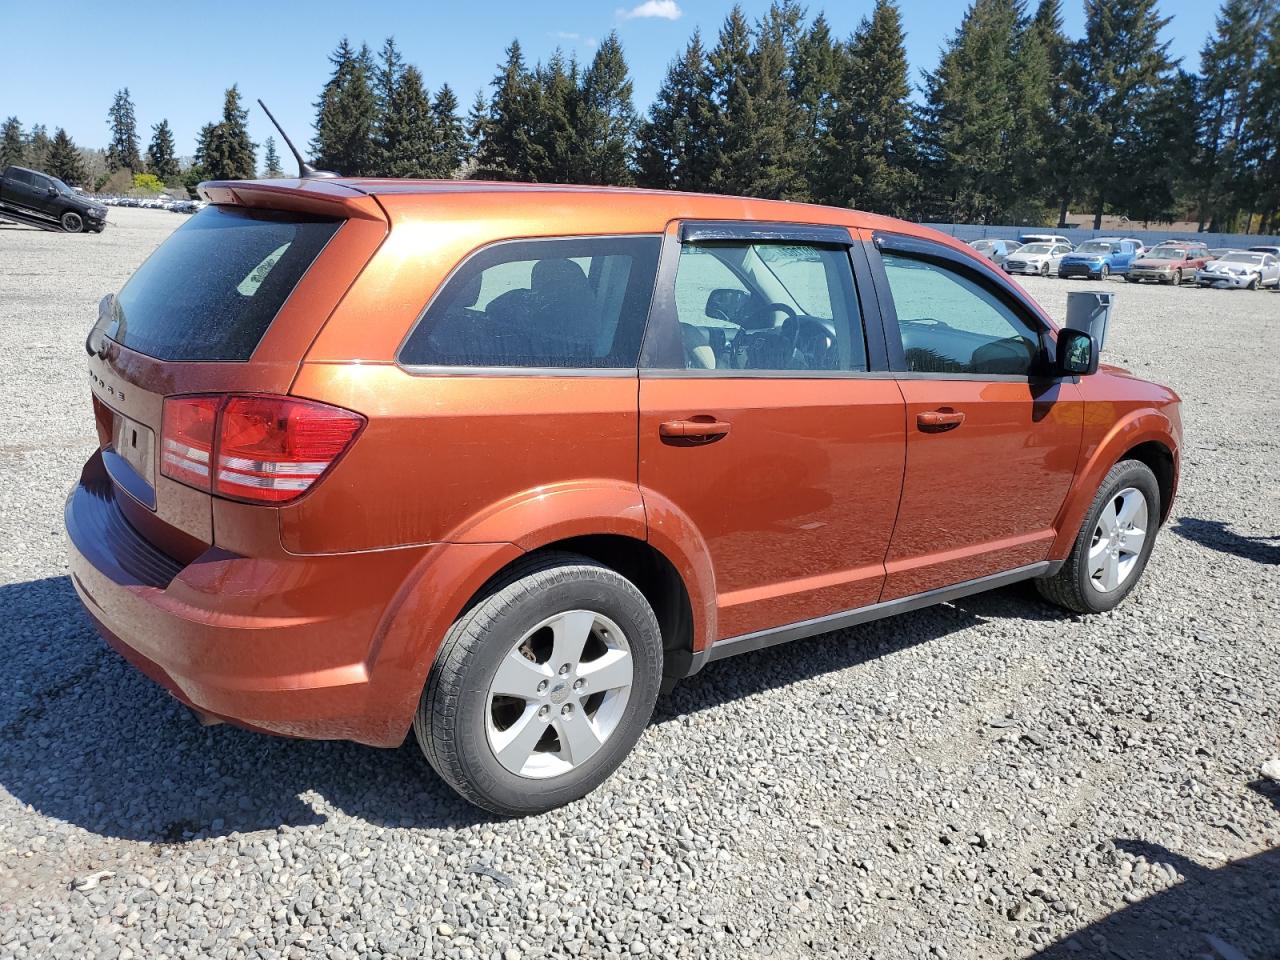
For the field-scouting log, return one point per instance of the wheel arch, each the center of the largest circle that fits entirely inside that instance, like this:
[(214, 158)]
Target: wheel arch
[(1145, 434)]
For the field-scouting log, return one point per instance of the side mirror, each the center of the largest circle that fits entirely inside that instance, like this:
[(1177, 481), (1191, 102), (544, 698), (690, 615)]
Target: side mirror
[(1077, 353), (53, 191), (727, 304)]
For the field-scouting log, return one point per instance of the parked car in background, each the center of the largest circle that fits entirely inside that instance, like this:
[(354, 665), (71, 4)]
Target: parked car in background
[(1037, 258), (36, 195), (1241, 269), (1169, 263), (1099, 258), (1266, 248), (995, 250), (1043, 238), (1216, 252), (362, 473)]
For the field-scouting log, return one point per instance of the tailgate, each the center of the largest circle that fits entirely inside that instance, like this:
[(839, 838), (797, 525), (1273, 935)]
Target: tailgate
[(228, 304)]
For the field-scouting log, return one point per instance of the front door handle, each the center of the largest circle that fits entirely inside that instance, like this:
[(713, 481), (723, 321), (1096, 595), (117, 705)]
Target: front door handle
[(939, 421), (694, 430)]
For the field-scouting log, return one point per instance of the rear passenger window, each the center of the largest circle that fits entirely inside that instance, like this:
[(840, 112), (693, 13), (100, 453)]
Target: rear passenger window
[(769, 307), (950, 324), (561, 303)]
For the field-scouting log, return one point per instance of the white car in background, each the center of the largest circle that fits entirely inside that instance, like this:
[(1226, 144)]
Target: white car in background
[(1238, 269), (1043, 238), (1040, 259)]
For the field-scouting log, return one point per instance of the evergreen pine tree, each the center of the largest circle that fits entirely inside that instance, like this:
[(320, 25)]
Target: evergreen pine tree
[(478, 127), (271, 159), (969, 119), (677, 142), (407, 137), (557, 125), (64, 160), (1262, 131), (1060, 169), (122, 152), (736, 161), (161, 153), (346, 114), (451, 136), (387, 127), (38, 145), (12, 147), (508, 148), (1229, 77), (868, 155), (226, 152), (815, 80), (775, 135), (607, 119), (1119, 67), (1030, 81)]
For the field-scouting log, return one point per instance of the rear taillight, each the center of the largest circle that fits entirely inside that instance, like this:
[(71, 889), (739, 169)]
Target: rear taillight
[(186, 438), (262, 449)]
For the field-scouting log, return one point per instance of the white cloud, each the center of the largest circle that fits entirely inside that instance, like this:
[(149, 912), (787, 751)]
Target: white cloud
[(660, 9)]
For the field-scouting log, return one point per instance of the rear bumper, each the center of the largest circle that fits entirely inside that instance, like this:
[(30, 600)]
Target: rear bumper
[(287, 644)]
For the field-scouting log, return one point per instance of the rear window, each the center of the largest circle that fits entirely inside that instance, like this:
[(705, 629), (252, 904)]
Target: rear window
[(212, 289), (564, 303)]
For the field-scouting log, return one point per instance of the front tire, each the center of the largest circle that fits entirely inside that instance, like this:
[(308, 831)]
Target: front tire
[(1177, 278), (542, 688), (1114, 542), (1104, 273), (72, 222), (1044, 270)]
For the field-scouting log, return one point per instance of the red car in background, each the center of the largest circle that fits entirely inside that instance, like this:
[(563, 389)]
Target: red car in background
[(1169, 263)]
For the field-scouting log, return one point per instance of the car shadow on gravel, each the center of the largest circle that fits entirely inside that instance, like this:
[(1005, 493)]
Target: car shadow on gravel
[(789, 663), (1216, 535), (90, 741), (1228, 913)]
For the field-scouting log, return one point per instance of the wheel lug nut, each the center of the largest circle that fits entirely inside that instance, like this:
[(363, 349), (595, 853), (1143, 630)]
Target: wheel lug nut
[(567, 710), (544, 712), (579, 684), (564, 668), (542, 687)]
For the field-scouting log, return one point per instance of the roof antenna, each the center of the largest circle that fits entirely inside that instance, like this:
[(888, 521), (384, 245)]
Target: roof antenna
[(305, 170)]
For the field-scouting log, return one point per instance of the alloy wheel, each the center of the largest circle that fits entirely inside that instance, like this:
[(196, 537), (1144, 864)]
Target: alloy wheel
[(1117, 540), (559, 694)]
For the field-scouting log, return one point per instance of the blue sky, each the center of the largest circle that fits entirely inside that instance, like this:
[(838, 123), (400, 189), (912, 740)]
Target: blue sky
[(178, 66)]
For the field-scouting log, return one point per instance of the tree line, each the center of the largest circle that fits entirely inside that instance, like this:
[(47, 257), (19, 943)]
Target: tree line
[(1016, 123)]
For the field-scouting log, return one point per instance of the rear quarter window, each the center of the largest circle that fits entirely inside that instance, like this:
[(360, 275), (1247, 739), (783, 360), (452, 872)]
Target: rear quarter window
[(556, 303), (212, 289)]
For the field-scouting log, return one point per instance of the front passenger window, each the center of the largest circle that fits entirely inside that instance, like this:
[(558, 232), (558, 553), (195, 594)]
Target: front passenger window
[(951, 324)]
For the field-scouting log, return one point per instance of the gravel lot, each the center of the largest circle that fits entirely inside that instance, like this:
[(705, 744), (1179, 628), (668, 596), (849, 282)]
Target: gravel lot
[(981, 780)]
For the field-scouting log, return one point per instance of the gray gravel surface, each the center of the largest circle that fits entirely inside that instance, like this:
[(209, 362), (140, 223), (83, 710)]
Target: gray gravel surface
[(985, 779)]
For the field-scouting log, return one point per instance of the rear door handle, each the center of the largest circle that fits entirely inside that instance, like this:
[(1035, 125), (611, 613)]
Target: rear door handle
[(693, 430), (939, 421)]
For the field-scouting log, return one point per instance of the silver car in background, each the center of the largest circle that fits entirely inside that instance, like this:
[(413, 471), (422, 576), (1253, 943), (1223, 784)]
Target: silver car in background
[(1037, 259), (995, 250), (1241, 269)]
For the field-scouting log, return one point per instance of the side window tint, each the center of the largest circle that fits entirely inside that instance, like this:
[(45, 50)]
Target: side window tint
[(769, 307), (566, 303), (950, 324)]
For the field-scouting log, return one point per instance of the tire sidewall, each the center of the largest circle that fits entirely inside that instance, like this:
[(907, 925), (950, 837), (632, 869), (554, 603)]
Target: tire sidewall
[(1129, 473), (621, 603), (75, 225)]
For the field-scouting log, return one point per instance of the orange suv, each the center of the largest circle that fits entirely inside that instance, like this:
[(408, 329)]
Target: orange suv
[(499, 461)]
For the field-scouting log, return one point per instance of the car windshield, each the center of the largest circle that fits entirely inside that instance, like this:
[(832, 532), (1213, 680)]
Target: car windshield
[(1254, 258), (1094, 246), (1036, 248), (1167, 253)]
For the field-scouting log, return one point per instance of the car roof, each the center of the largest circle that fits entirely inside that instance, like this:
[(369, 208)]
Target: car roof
[(543, 209)]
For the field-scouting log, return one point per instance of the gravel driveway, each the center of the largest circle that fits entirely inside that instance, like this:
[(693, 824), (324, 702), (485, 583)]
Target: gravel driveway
[(985, 779)]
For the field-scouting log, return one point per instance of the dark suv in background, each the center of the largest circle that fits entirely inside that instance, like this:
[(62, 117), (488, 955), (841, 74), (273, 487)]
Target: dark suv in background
[(32, 195)]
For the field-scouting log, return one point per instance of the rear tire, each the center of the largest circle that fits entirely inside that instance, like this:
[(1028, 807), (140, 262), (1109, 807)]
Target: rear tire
[(1107, 558), (508, 703), (72, 222)]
